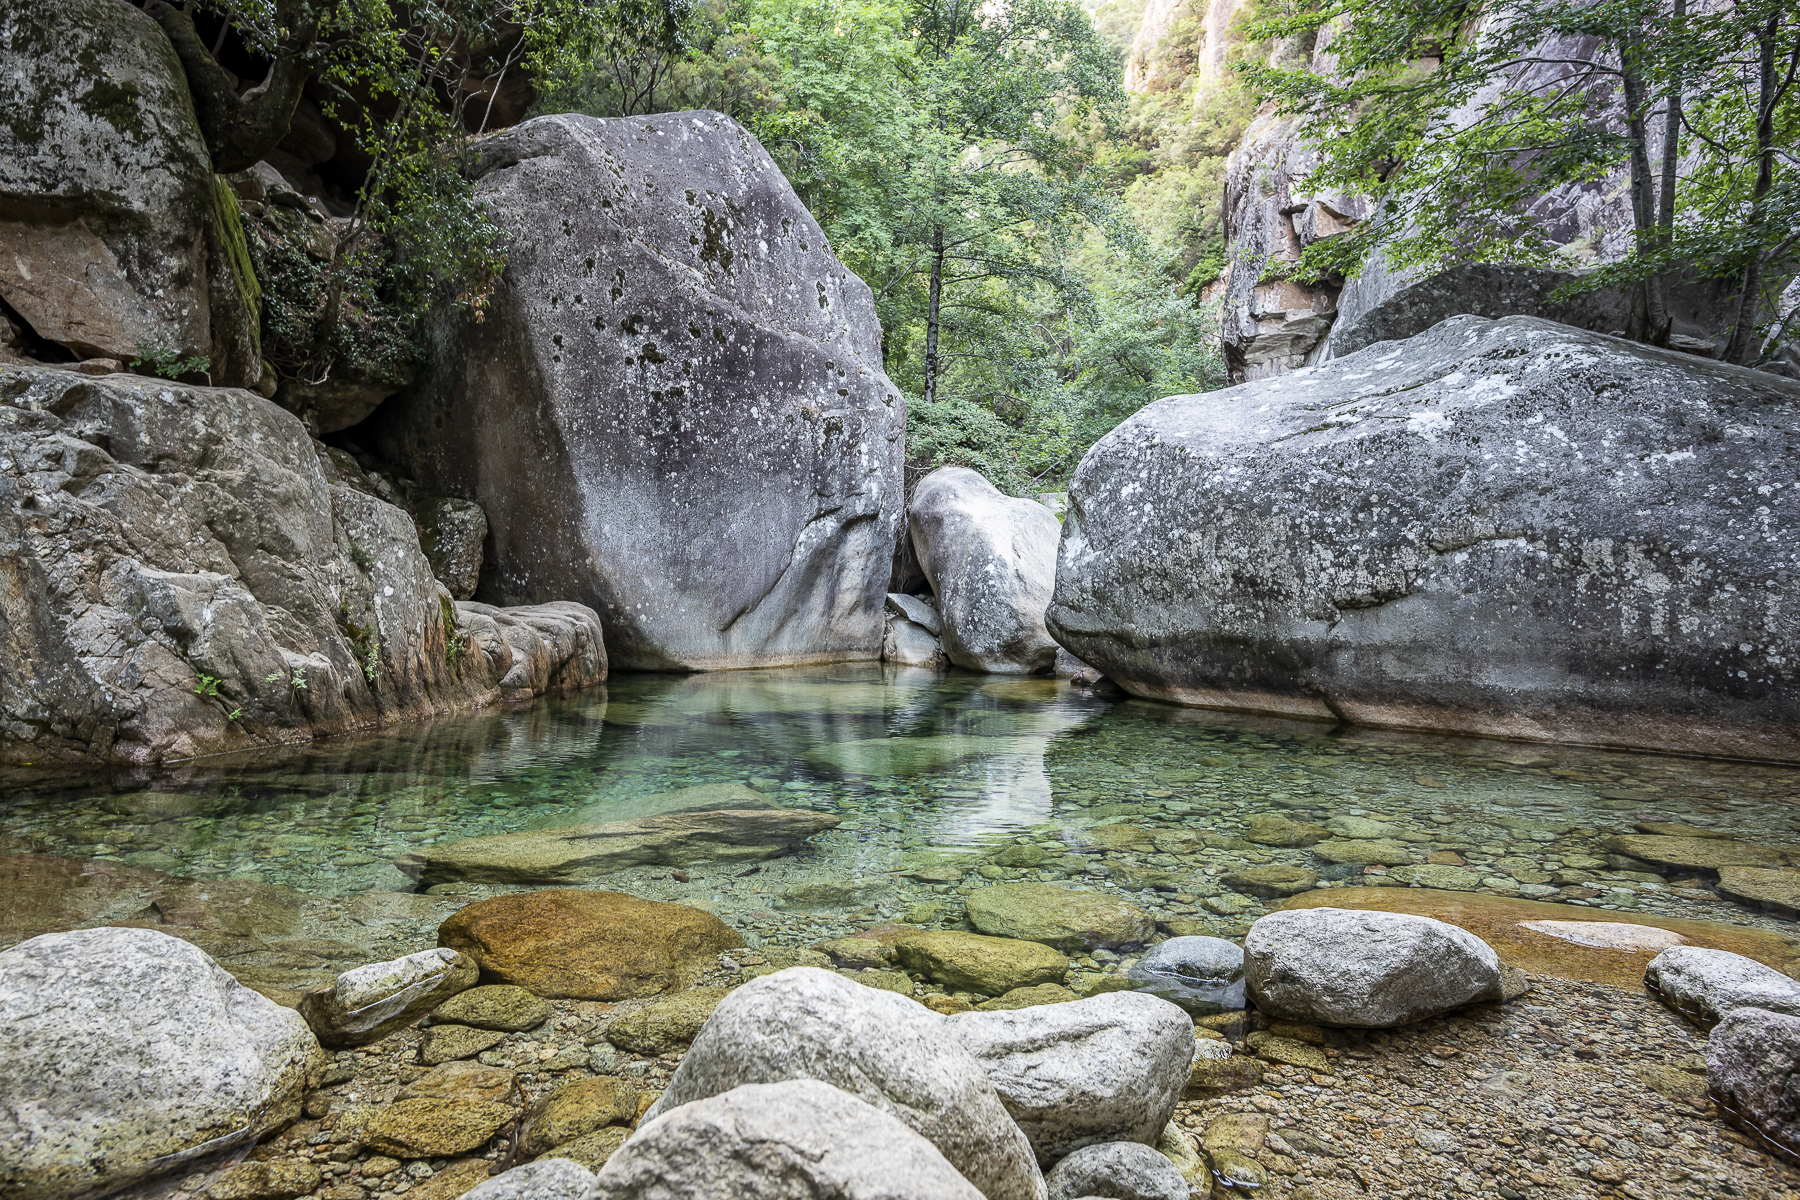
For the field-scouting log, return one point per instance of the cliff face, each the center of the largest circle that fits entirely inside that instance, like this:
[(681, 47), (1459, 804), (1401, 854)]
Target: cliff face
[(1144, 71)]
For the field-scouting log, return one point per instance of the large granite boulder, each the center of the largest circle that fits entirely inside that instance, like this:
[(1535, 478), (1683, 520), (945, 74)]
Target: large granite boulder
[(1510, 528), (1106, 1069), (130, 1053), (115, 236), (673, 409), (794, 1140), (1369, 970), (883, 1049), (573, 853), (181, 578), (991, 559), (582, 945)]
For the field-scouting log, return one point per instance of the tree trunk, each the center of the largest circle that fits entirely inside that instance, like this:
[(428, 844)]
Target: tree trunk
[(1650, 311), (931, 318), (239, 130), (1743, 347), (1671, 160)]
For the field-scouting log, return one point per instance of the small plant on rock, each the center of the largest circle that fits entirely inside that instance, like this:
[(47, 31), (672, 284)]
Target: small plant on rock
[(169, 364), (206, 685)]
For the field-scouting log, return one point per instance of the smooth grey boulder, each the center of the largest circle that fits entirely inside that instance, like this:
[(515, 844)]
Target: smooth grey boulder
[(1116, 1171), (673, 410), (182, 578), (128, 1054), (1201, 974), (114, 233), (1706, 985), (910, 644), (795, 1140), (575, 853), (546, 1179), (1106, 1069), (1753, 1071), (368, 1003), (1510, 528), (883, 1048), (1368, 970), (991, 560)]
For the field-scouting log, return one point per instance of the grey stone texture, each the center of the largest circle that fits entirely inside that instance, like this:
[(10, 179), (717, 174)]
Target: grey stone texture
[(794, 1140), (674, 409), (546, 1179), (1753, 1071), (114, 234), (368, 1003), (128, 1054), (1370, 970), (1510, 528), (884, 1049), (182, 578), (1117, 1171), (1706, 985), (1106, 1069), (991, 560)]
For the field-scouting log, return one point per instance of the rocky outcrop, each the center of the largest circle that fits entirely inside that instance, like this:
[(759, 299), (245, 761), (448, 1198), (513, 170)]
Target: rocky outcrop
[(573, 853), (1270, 325), (795, 1138), (674, 408), (991, 560), (116, 239), (130, 1053), (885, 1050), (1511, 528), (181, 578), (1370, 970), (587, 945), (1106, 1069)]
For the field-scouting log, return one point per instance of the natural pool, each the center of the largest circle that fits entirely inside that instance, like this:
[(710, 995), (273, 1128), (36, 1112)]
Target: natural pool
[(942, 782), (281, 865)]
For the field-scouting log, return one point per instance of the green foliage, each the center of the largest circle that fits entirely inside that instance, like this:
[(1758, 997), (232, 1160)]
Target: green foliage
[(206, 685), (168, 363), (399, 80), (296, 680), (1456, 119), (361, 557)]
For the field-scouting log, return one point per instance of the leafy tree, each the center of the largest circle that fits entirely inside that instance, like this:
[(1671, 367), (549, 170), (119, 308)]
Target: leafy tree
[(611, 58), (1456, 118)]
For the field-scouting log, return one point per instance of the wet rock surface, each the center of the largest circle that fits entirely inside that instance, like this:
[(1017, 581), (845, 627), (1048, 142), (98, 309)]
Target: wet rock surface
[(1200, 974), (1707, 985), (369, 1003), (574, 853), (587, 945), (1119, 1170), (1496, 453), (713, 452)]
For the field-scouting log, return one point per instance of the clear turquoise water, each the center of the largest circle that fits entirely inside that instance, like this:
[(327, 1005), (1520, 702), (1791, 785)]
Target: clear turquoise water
[(931, 775)]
